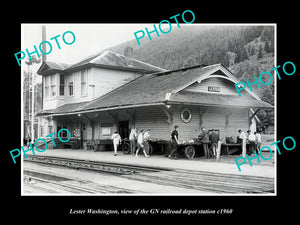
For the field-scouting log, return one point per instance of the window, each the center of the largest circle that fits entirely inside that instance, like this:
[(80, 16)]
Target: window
[(53, 86), (70, 88), (83, 82), (186, 115), (61, 85), (50, 129), (106, 129), (63, 133), (42, 131), (46, 79)]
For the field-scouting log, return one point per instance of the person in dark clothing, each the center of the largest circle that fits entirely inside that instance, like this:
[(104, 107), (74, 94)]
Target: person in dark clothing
[(204, 138), (214, 138), (174, 140)]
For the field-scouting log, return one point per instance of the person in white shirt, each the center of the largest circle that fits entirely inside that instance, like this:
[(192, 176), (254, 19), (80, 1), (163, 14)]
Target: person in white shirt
[(132, 138), (140, 142), (241, 136), (116, 141), (258, 141)]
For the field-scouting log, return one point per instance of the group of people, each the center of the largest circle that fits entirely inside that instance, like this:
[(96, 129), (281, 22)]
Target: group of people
[(137, 142), (253, 139), (209, 138), (204, 137), (141, 140)]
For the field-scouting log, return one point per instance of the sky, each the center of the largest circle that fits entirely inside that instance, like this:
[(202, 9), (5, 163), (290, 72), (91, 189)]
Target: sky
[(90, 39)]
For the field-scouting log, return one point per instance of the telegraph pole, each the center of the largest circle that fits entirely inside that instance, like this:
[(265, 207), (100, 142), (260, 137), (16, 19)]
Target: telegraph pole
[(30, 72)]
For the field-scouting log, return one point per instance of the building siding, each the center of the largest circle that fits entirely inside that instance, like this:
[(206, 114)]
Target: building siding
[(99, 82), (211, 118), (226, 87), (153, 118), (186, 131), (106, 80)]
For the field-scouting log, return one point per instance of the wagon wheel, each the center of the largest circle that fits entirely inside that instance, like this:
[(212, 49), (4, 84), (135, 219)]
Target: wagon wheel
[(161, 150), (150, 149), (126, 147), (189, 152)]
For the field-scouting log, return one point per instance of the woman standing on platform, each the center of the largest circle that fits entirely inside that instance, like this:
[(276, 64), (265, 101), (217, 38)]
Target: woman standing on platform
[(133, 138), (140, 142)]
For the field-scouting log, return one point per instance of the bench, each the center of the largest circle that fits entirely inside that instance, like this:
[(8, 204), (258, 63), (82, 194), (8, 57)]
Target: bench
[(99, 144)]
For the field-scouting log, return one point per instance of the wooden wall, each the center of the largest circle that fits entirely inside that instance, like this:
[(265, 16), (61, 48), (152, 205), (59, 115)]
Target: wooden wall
[(226, 87), (153, 118), (227, 120)]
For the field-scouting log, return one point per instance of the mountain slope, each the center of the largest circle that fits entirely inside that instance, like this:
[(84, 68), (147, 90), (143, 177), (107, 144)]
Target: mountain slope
[(246, 50)]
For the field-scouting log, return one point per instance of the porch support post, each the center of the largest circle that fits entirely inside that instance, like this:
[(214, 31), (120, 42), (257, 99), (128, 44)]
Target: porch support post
[(201, 114), (244, 149), (92, 125), (252, 116), (132, 116), (227, 119), (169, 115), (114, 117)]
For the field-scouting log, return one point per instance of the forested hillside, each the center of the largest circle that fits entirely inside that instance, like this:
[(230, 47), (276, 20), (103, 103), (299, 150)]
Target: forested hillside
[(245, 50)]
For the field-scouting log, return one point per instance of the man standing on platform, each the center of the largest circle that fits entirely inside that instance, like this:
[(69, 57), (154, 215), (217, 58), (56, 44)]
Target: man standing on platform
[(214, 138), (252, 142), (258, 141), (204, 138), (175, 142)]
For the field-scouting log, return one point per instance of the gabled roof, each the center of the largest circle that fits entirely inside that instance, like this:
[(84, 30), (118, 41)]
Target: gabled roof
[(168, 87), (51, 67), (103, 59)]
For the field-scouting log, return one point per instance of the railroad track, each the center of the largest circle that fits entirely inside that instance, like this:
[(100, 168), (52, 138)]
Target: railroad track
[(195, 180), (113, 168), (41, 182), (211, 182)]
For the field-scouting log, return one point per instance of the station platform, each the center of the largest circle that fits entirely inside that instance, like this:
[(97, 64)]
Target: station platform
[(226, 164)]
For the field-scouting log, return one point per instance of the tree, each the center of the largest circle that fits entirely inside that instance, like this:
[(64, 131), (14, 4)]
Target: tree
[(244, 54), (260, 54), (252, 50), (267, 46)]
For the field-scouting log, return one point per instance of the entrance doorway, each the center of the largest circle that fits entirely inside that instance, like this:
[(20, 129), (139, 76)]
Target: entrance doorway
[(124, 129)]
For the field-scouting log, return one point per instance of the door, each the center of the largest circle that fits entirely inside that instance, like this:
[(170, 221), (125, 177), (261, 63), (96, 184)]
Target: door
[(124, 129)]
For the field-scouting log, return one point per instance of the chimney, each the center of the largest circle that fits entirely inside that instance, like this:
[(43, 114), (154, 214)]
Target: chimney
[(128, 51), (44, 57)]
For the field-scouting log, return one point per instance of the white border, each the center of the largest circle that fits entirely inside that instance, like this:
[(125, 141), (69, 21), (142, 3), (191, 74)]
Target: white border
[(163, 194)]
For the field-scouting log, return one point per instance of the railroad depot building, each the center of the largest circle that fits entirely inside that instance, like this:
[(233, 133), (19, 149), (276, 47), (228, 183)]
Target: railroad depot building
[(110, 92)]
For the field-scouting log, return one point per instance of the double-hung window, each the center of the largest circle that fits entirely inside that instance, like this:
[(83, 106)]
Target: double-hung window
[(71, 93), (47, 81), (84, 82), (61, 85), (53, 85)]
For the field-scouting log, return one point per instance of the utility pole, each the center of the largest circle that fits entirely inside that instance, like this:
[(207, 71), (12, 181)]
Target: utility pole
[(30, 72), (33, 83)]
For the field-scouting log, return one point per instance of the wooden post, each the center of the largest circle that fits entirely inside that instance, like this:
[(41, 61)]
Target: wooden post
[(244, 147), (218, 150)]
